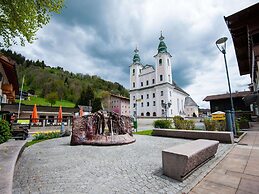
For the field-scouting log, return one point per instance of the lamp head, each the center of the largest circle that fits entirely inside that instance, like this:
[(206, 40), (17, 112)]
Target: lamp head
[(221, 44)]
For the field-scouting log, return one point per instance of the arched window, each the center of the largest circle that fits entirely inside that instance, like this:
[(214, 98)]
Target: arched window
[(154, 114), (160, 61), (142, 114), (148, 114)]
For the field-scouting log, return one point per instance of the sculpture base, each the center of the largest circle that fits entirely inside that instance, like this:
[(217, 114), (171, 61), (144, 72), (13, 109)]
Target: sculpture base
[(103, 140)]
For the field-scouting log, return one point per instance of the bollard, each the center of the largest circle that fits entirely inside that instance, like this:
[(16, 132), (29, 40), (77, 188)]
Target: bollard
[(62, 127)]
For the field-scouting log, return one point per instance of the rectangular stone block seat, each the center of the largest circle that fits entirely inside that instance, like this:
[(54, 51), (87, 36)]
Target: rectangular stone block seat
[(179, 161)]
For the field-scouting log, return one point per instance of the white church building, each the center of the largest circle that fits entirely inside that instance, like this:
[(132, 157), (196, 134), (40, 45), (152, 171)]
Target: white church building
[(152, 89)]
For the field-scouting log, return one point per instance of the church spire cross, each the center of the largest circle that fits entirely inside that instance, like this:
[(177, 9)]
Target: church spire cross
[(136, 50), (161, 38)]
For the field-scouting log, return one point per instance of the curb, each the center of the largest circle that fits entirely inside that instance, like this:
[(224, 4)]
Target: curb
[(10, 152)]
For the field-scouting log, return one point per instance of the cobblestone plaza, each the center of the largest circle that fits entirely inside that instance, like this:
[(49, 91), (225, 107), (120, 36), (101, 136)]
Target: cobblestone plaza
[(53, 166)]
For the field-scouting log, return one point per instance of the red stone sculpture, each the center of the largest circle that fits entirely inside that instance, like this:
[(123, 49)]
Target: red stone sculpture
[(91, 129)]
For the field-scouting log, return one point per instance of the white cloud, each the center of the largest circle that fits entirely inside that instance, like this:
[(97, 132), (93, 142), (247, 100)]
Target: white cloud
[(106, 47)]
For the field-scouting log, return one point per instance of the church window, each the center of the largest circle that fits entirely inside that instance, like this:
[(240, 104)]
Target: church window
[(133, 84), (133, 71), (171, 111), (141, 96), (162, 102), (153, 81), (154, 95), (134, 97), (178, 105), (141, 83), (168, 62), (154, 103), (148, 114), (154, 114), (147, 82), (147, 103), (160, 61), (147, 96), (142, 114), (140, 71), (161, 77), (170, 93), (162, 93), (142, 104), (169, 78)]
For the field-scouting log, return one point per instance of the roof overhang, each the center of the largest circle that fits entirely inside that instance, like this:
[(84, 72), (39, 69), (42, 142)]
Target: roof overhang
[(244, 29)]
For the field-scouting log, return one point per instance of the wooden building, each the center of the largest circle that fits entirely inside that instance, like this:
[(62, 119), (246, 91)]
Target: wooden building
[(221, 102)]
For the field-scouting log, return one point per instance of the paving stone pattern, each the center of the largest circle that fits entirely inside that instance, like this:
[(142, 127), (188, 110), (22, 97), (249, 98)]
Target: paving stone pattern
[(53, 166)]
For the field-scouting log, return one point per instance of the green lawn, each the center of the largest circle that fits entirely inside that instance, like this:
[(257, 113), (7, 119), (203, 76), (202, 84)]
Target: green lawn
[(146, 132), (43, 102)]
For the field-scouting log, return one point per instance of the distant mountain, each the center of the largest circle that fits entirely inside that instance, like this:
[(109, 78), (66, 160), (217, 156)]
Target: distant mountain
[(44, 80)]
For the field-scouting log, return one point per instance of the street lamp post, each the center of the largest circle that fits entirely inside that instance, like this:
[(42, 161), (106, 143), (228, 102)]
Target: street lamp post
[(166, 106), (221, 45), (136, 114)]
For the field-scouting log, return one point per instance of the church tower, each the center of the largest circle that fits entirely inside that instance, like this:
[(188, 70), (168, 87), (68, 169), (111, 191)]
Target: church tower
[(135, 70), (163, 63)]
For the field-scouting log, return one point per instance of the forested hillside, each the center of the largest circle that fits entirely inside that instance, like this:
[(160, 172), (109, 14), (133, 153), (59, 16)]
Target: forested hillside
[(46, 80)]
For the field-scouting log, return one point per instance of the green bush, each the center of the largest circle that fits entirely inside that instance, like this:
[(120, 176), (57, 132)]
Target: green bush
[(5, 131), (184, 124), (211, 125), (164, 124), (43, 136)]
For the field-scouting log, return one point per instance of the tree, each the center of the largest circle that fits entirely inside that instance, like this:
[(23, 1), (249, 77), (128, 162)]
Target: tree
[(52, 97), (22, 19), (86, 97), (97, 104)]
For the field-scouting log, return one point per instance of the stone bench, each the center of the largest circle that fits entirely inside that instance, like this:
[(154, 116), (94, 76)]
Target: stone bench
[(179, 161)]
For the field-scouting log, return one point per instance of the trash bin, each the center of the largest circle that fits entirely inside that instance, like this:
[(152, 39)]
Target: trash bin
[(135, 124)]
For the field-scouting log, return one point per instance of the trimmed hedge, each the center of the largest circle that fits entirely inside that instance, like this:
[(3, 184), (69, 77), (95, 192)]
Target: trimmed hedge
[(163, 124), (5, 131), (211, 125)]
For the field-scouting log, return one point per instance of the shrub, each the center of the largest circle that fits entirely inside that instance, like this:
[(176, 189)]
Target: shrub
[(5, 131), (164, 124), (184, 124), (49, 135), (211, 125)]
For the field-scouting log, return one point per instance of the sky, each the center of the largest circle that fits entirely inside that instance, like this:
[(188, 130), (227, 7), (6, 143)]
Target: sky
[(98, 38)]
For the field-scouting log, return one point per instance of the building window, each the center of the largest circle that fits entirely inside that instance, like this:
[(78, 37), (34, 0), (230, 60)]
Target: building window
[(168, 62), (154, 103), (169, 79), (148, 114), (161, 77), (133, 84), (178, 105), (147, 103), (142, 104), (133, 98), (141, 96), (141, 83), (153, 81), (171, 111), (162, 93), (163, 111), (160, 61), (147, 82), (154, 114), (154, 95), (133, 71), (162, 102), (134, 105), (147, 96), (140, 71), (170, 93), (142, 114)]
